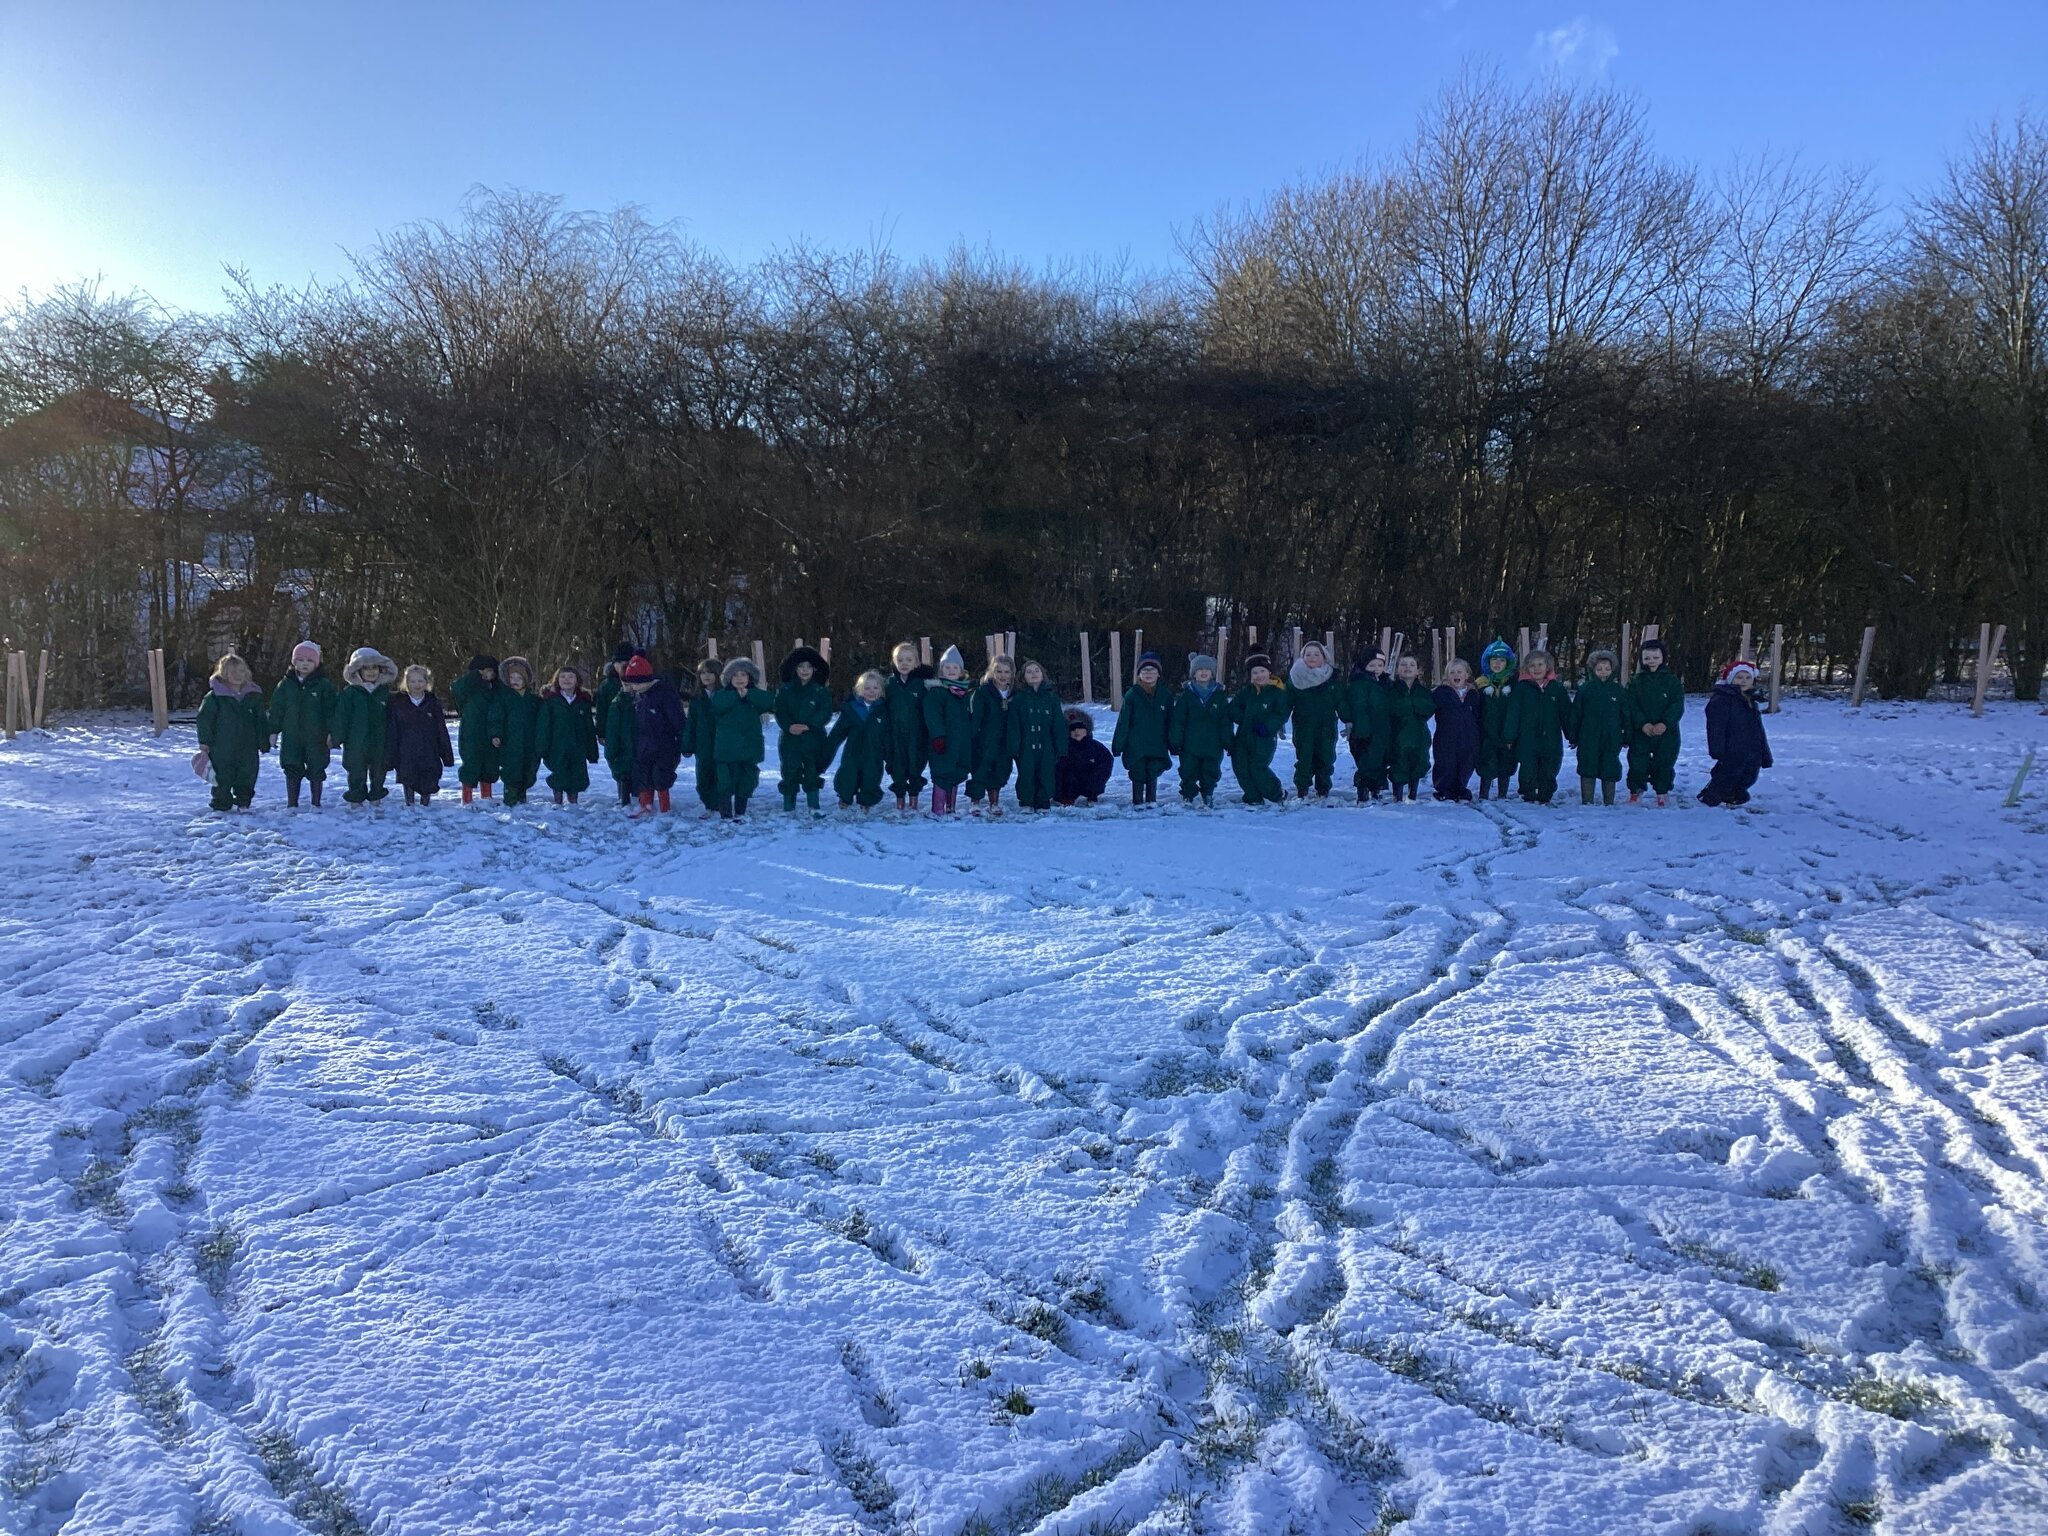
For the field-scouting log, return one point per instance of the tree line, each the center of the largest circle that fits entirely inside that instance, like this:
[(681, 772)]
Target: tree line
[(1525, 370)]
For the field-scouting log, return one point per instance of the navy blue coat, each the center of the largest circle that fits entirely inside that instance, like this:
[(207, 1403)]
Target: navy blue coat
[(1455, 751), (1735, 741), (657, 735), (1083, 773), (416, 741)]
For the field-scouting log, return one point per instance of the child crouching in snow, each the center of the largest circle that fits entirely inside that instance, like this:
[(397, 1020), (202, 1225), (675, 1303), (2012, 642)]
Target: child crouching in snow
[(567, 739), (860, 736), (300, 709), (1454, 754), (1735, 737), (1083, 774), (416, 737), (233, 734)]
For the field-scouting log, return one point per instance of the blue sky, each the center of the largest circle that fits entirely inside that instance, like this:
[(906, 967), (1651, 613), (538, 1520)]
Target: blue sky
[(151, 143)]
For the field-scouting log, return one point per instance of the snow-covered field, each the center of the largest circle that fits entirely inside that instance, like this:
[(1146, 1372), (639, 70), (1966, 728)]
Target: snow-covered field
[(1491, 1169)]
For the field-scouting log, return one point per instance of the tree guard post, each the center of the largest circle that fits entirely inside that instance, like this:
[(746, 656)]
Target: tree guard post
[(1862, 666)]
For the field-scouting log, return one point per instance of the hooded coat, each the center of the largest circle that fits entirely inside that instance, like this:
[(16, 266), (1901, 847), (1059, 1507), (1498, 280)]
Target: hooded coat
[(416, 741), (802, 756), (1257, 714), (1316, 697), (736, 734), (1412, 708), (909, 741), (1367, 708), (235, 733), (1655, 697), (360, 720), (299, 711), (476, 710), (1600, 716), (1038, 743), (1198, 733), (1140, 735), (1083, 772), (1736, 742), (988, 708), (860, 738), (949, 730), (1496, 691), (652, 728), (1539, 720), (567, 738), (1454, 752), (516, 724)]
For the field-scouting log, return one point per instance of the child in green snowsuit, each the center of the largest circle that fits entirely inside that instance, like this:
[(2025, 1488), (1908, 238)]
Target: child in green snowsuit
[(1140, 736), (988, 708), (1656, 705), (860, 737), (1038, 738), (1600, 716), (1412, 707), (234, 734), (1256, 716), (698, 734), (567, 739), (737, 742), (358, 724), (948, 731), (803, 708), (1198, 730), (515, 728), (1539, 720), (1315, 694), (909, 742), (475, 696), (1367, 709), (300, 707), (609, 687), (1496, 696)]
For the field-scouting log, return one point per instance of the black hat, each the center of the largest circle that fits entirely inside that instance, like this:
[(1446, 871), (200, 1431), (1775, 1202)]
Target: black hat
[(820, 667), (1651, 644), (1257, 659), (624, 652), (479, 662)]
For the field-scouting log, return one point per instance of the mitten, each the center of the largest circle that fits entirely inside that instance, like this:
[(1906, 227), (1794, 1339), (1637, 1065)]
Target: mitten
[(199, 763)]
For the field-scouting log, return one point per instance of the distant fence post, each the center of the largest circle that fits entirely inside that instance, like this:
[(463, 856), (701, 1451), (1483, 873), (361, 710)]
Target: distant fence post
[(15, 686), (1988, 646), (711, 648), (42, 679), (1010, 643), (1543, 637), (1087, 672), (1330, 646), (1223, 653), (1116, 669), (1450, 645), (1862, 666), (159, 693), (1522, 644), (1627, 647), (1777, 664), (1394, 651), (825, 648), (1746, 653), (924, 649), (760, 664), (1295, 636), (1137, 650)]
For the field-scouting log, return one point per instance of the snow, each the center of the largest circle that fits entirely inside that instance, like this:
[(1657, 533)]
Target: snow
[(1492, 1169)]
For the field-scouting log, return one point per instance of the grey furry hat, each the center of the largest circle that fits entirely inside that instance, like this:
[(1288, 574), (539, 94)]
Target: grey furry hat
[(736, 666), (1196, 661)]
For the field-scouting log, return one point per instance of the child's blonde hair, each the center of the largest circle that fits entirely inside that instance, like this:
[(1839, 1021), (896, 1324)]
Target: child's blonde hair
[(988, 673), (232, 659), (426, 673), (1456, 665), (871, 675), (900, 647)]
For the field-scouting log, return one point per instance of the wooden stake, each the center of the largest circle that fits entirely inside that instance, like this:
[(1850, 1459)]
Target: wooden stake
[(1862, 666), (1251, 636), (760, 665), (1394, 651), (1777, 664), (1010, 644), (1387, 645), (990, 647), (1223, 654), (1987, 663), (1543, 637), (1649, 632), (1450, 645), (7, 707), (42, 678), (1627, 647), (924, 649), (1116, 669), (1087, 672), (711, 647), (1983, 678), (1436, 656), (1137, 650), (1745, 653), (825, 646), (159, 693), (1297, 642), (1522, 645)]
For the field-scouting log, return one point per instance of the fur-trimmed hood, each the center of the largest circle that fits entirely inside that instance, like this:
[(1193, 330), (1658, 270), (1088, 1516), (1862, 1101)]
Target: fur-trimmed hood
[(227, 690), (1081, 720), (1613, 662), (369, 667), (820, 667), (735, 667), (532, 682)]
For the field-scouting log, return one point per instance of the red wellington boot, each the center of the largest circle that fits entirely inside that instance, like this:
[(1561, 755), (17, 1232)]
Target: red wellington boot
[(467, 794)]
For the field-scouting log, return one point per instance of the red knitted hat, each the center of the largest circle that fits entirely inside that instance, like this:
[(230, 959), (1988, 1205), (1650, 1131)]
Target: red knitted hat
[(638, 670)]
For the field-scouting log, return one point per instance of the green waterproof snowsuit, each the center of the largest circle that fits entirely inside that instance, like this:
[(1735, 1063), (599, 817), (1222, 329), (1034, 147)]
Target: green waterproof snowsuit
[(1539, 720), (860, 737), (1600, 713), (1655, 698), (1367, 710), (1140, 740), (1256, 716), (621, 742), (1198, 733), (1411, 707), (567, 740), (236, 734), (909, 742), (300, 708), (803, 757), (1038, 740), (948, 732), (1496, 754), (738, 743), (1316, 706), (515, 721), (358, 728), (476, 711), (990, 712)]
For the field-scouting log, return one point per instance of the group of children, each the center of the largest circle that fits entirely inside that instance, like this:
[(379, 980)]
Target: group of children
[(894, 730)]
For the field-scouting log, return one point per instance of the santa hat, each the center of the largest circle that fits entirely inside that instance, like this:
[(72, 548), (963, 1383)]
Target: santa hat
[(1737, 668), (638, 670), (307, 649)]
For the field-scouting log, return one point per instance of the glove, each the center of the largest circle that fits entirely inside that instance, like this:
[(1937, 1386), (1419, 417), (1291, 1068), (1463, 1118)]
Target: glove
[(938, 743)]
